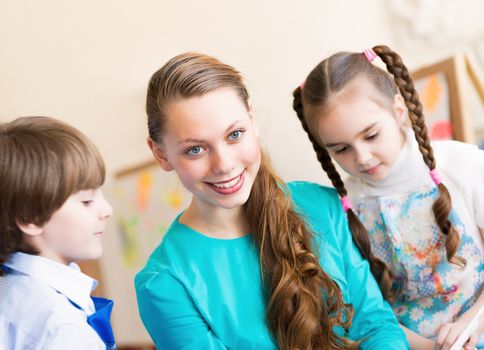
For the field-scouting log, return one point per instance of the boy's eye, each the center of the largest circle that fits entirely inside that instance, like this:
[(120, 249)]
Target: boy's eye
[(87, 202), (236, 135)]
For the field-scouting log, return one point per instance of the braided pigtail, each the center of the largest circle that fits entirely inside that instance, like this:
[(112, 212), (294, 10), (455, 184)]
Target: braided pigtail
[(297, 314), (443, 204), (359, 233)]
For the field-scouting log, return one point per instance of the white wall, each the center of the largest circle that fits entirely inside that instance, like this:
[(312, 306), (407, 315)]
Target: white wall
[(88, 63)]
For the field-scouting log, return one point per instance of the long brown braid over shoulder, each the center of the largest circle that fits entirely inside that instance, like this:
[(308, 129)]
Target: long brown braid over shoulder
[(303, 303), (297, 313)]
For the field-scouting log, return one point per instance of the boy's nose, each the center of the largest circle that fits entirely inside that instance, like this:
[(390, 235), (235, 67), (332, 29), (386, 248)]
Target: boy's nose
[(107, 209)]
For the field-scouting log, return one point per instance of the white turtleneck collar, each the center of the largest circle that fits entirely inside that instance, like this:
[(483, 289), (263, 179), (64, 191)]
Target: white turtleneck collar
[(408, 172)]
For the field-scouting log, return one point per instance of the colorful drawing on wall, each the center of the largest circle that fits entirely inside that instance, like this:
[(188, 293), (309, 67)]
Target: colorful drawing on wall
[(444, 88), (433, 92), (145, 180), (129, 241), (147, 199)]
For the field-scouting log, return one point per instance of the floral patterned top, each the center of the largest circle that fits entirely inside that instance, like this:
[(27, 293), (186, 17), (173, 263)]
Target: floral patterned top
[(398, 215)]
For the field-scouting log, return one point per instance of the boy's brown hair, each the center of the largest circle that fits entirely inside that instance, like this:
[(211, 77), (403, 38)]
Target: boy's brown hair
[(42, 162)]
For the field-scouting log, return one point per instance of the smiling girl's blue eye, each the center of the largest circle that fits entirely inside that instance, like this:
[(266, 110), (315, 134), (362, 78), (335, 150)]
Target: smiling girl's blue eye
[(194, 151), (235, 135)]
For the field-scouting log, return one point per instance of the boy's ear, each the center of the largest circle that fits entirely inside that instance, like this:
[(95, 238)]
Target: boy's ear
[(159, 155), (30, 229), (400, 110)]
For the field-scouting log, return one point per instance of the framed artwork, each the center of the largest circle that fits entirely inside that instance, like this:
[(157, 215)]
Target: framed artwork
[(441, 88), (475, 68)]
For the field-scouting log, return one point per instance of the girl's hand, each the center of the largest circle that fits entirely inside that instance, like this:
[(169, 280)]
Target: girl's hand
[(449, 333)]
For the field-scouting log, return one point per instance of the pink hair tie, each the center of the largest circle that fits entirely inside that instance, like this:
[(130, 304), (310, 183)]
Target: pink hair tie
[(436, 178), (302, 84), (346, 203), (369, 54)]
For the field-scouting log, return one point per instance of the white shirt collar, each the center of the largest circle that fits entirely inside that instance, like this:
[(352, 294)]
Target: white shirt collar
[(67, 280)]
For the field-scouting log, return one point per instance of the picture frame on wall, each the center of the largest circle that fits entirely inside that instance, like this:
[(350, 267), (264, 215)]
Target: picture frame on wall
[(442, 91)]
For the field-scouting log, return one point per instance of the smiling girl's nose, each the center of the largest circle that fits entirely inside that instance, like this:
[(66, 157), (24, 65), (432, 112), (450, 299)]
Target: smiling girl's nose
[(222, 161)]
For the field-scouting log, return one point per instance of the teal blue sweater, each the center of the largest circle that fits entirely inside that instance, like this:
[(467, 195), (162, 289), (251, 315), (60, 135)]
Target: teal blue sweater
[(197, 292)]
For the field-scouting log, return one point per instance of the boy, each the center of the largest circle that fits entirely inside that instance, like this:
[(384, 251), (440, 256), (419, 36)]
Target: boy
[(52, 213)]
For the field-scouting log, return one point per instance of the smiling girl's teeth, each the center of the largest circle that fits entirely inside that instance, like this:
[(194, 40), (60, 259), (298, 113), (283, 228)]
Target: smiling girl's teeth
[(227, 184)]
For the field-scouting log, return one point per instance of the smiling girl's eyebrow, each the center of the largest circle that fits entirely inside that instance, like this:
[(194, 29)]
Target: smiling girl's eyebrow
[(202, 141), (329, 145)]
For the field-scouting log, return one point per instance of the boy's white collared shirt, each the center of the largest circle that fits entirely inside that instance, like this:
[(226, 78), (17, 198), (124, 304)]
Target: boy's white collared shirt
[(36, 307)]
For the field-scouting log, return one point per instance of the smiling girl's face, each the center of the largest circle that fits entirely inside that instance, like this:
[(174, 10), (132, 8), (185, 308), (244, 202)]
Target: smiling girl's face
[(211, 141)]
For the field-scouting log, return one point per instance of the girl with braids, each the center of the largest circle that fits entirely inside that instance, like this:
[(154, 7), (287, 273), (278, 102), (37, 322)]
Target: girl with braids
[(417, 208), (252, 263)]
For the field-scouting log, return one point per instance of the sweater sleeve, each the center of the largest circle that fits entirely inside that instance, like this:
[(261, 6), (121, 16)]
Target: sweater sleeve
[(170, 315), (374, 321), (463, 165)]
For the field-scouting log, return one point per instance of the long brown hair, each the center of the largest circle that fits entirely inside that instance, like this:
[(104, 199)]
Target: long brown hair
[(297, 313), (42, 162), (331, 76)]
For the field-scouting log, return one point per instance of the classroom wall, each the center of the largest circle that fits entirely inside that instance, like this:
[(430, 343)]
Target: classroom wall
[(88, 63)]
